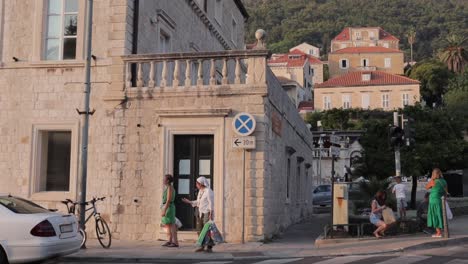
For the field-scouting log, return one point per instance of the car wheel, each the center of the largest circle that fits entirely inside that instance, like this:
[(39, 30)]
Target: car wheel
[(3, 257)]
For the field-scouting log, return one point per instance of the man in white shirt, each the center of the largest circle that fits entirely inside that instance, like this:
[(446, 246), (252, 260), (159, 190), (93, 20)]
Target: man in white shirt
[(205, 204), (400, 193)]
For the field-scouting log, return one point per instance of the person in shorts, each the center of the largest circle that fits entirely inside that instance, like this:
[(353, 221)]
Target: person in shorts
[(400, 193)]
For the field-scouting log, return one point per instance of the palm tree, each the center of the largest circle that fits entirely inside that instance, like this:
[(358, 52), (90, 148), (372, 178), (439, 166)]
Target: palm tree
[(455, 55), (411, 39)]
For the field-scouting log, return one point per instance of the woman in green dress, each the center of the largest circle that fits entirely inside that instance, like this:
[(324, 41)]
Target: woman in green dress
[(438, 188), (168, 212)]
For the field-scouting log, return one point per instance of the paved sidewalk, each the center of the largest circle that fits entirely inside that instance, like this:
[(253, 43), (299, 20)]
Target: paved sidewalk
[(297, 242)]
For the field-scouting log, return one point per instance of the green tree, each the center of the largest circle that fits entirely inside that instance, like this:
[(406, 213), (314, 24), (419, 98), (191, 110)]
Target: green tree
[(457, 97), (434, 77), (455, 56)]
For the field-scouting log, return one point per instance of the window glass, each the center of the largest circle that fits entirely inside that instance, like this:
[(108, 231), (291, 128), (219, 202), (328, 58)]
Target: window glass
[(62, 25), (55, 166), (53, 29), (55, 6), (21, 206), (70, 25), (52, 49), (69, 48), (71, 6)]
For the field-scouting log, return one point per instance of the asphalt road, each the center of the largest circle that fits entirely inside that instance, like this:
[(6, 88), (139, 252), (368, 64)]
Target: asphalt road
[(444, 255)]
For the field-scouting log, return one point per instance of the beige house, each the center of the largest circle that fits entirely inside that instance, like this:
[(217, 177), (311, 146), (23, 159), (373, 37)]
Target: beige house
[(367, 90), (364, 37), (307, 49), (164, 99), (348, 60)]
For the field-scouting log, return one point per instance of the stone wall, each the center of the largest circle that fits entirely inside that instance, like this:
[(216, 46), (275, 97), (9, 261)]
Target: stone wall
[(285, 133)]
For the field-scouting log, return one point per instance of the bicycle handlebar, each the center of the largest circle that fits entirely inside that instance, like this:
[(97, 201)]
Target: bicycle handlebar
[(67, 201)]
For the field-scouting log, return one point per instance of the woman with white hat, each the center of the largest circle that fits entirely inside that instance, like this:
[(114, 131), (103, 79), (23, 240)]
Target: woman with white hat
[(205, 204)]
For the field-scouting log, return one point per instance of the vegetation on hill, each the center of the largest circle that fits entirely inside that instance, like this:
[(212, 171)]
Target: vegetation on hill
[(292, 22)]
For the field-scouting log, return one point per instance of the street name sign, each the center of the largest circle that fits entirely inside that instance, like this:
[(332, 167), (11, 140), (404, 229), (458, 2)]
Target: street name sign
[(244, 124), (244, 142)]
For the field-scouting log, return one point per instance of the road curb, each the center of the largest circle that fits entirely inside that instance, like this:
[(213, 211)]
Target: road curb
[(165, 259)]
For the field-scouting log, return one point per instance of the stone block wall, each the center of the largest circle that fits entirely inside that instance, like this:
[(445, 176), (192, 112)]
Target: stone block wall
[(292, 133)]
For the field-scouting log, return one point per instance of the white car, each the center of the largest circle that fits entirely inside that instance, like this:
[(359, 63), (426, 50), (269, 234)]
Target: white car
[(29, 232)]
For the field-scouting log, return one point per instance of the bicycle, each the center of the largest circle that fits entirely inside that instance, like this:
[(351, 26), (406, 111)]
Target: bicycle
[(103, 233)]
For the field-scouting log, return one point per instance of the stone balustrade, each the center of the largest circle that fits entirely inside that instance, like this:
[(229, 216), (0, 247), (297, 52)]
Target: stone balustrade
[(146, 73)]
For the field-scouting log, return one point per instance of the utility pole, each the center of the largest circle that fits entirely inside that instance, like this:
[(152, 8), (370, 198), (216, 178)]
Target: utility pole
[(86, 113), (397, 148)]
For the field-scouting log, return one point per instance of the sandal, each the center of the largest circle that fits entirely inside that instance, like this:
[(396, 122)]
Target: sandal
[(173, 245), (167, 244), (437, 235)]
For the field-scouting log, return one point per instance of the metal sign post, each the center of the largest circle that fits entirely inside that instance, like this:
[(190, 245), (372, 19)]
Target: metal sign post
[(397, 148), (244, 125)]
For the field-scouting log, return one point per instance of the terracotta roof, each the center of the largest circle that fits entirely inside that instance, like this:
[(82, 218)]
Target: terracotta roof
[(306, 105), (345, 34), (377, 78), (295, 58), (384, 35), (376, 49)]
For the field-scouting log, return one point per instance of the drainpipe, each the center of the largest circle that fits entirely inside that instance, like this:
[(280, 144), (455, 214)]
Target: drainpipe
[(136, 14)]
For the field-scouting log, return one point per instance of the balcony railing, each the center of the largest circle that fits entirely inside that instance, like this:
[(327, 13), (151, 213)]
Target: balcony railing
[(367, 68), (149, 72)]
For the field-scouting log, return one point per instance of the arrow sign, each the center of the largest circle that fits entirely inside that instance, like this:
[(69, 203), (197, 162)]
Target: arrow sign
[(244, 142)]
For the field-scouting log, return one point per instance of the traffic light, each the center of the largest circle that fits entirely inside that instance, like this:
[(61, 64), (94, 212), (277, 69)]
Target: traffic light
[(396, 136), (409, 131)]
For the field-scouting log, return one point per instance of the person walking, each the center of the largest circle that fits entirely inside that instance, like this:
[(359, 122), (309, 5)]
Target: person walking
[(438, 188), (377, 206), (205, 204), (400, 193), (168, 212)]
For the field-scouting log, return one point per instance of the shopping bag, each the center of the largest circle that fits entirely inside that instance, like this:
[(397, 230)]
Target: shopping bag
[(388, 216), (203, 234), (215, 234), (178, 223), (449, 212)]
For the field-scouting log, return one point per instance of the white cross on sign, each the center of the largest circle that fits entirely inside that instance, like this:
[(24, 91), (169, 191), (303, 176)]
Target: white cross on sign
[(244, 124)]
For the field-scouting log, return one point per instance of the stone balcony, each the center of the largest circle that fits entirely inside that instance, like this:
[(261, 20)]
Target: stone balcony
[(146, 75)]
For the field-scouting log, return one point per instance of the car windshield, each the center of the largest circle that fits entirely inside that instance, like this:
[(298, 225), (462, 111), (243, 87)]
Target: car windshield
[(323, 188), (21, 206)]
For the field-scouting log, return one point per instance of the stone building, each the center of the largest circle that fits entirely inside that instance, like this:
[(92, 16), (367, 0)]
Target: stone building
[(347, 60), (316, 64), (364, 37), (367, 90), (295, 91), (168, 77)]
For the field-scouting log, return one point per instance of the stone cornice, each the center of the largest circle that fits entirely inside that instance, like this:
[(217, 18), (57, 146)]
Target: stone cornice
[(193, 112), (211, 27)]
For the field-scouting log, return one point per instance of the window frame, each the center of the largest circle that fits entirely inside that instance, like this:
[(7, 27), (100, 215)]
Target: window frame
[(367, 96), (405, 97), (367, 62), (387, 63), (346, 101), (385, 100), (40, 30), (37, 129), (341, 64), (326, 102)]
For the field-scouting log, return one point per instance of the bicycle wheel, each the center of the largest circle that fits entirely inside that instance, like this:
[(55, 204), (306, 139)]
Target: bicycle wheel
[(103, 233), (83, 235)]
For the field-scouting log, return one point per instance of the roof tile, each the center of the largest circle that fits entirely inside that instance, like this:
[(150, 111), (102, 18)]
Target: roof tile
[(377, 78)]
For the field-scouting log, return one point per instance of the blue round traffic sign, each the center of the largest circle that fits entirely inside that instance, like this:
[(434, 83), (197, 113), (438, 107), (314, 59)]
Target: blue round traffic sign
[(244, 124)]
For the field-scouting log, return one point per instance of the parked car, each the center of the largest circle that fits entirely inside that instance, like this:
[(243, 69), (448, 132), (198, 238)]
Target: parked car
[(322, 195), (29, 232)]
